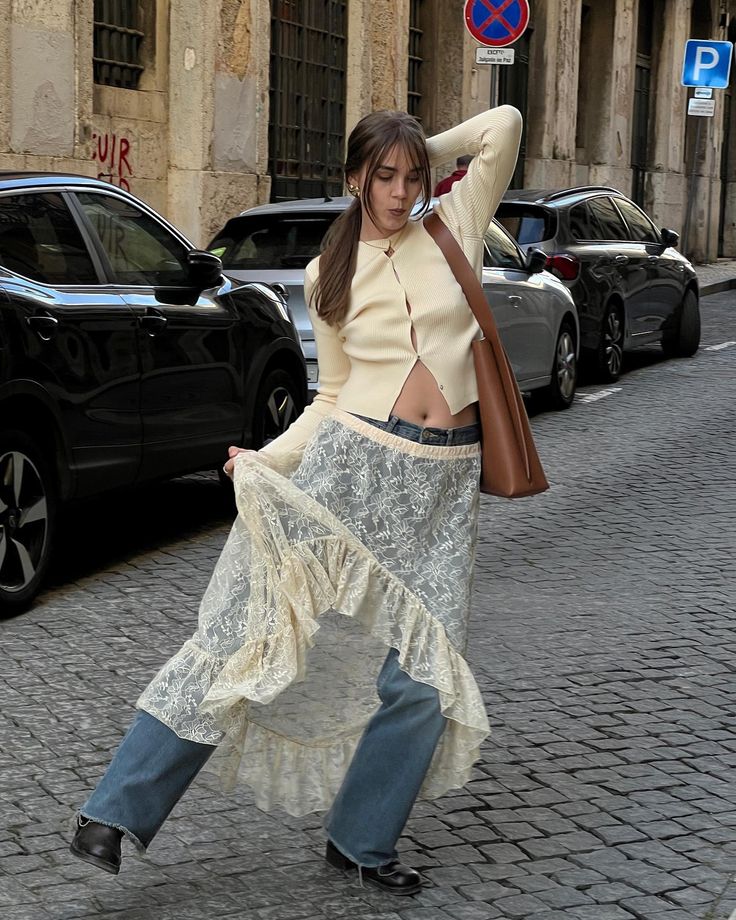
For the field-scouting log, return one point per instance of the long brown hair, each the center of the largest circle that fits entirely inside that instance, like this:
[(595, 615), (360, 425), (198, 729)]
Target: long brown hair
[(369, 142)]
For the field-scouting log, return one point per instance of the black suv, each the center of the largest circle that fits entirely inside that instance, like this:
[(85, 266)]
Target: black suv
[(125, 356), (630, 285)]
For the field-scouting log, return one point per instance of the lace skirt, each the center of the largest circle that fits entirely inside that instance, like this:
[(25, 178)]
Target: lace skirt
[(369, 545)]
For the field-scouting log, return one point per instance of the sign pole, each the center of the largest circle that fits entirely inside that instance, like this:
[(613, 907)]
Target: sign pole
[(494, 85)]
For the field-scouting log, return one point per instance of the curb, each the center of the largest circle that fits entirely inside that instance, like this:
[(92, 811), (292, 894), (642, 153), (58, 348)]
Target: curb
[(716, 287)]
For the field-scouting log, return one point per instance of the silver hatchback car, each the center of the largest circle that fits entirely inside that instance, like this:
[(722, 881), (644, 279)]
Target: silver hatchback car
[(534, 311)]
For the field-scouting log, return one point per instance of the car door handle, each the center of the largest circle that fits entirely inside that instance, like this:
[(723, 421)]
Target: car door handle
[(621, 260), (515, 299), (152, 322), (44, 325), (653, 259)]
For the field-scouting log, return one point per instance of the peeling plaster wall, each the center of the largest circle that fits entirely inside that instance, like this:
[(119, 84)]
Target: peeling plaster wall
[(553, 69), (43, 103), (42, 99), (388, 34), (358, 65), (5, 87), (235, 141)]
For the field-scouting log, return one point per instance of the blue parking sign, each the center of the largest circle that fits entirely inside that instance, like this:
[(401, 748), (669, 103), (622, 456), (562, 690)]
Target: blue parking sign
[(707, 63)]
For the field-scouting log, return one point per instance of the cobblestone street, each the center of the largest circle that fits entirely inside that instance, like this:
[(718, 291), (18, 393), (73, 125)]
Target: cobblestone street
[(602, 638)]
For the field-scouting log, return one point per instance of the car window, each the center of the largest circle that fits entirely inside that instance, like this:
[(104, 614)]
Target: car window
[(40, 240), (500, 251), (527, 223), (271, 241), (642, 230), (606, 221), (581, 225), (139, 248)]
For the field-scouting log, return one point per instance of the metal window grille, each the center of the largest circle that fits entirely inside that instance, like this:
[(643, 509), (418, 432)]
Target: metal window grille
[(416, 58), (117, 43), (307, 123)]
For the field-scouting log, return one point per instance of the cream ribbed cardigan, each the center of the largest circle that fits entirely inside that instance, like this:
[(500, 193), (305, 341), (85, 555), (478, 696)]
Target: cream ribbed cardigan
[(364, 362)]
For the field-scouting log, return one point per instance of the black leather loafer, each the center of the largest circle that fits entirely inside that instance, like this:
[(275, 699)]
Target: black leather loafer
[(394, 877), (97, 844)]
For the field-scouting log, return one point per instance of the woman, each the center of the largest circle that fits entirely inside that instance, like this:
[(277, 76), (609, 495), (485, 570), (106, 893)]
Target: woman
[(352, 552)]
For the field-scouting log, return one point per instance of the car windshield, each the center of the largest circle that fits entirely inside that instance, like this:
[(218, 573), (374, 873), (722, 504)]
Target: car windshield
[(527, 223), (271, 241)]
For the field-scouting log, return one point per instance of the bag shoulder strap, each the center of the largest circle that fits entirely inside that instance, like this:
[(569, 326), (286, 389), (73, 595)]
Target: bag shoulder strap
[(464, 274)]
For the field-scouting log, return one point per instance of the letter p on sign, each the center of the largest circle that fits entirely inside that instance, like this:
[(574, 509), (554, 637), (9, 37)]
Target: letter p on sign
[(705, 59), (707, 63)]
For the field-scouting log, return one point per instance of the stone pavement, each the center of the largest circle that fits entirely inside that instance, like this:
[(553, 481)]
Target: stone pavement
[(602, 638)]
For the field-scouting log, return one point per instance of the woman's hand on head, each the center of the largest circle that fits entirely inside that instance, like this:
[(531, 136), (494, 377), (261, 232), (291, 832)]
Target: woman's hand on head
[(233, 453)]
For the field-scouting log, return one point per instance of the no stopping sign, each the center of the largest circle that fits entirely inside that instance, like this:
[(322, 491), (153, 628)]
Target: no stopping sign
[(496, 22)]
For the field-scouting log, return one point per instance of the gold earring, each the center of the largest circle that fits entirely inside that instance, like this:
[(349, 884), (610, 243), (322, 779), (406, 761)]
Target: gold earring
[(354, 191)]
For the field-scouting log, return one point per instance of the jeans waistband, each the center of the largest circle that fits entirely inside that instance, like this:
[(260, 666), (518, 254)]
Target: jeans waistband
[(442, 437)]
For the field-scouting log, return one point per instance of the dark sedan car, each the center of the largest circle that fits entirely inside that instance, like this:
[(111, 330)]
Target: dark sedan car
[(629, 283), (125, 356)]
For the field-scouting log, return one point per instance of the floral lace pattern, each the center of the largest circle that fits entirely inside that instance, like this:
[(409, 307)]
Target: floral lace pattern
[(368, 546)]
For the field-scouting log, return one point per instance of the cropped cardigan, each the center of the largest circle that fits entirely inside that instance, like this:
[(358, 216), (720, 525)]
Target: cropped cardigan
[(365, 360)]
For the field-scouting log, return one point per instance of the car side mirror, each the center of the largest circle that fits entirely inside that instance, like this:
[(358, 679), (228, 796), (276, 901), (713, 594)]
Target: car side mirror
[(670, 238), (281, 289), (536, 259), (205, 269)]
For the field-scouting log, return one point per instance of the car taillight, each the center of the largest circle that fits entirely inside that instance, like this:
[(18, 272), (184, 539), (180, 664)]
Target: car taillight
[(567, 268)]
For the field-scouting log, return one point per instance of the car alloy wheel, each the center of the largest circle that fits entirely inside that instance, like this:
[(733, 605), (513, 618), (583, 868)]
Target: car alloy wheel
[(611, 350), (276, 407), (566, 366), (561, 390), (26, 517), (280, 413)]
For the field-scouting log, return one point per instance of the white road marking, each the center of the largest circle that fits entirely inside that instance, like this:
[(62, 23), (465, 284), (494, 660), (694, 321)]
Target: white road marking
[(601, 394), (720, 348), (733, 916)]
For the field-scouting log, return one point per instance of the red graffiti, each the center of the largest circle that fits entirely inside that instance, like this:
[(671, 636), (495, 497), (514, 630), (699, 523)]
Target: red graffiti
[(112, 152)]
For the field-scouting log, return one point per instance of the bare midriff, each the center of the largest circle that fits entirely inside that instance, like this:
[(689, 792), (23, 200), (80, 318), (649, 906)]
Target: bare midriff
[(421, 401)]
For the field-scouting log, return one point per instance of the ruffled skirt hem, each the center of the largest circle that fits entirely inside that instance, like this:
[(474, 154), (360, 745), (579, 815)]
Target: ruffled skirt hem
[(218, 694)]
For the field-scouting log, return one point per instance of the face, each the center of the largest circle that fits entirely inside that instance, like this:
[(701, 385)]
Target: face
[(394, 190)]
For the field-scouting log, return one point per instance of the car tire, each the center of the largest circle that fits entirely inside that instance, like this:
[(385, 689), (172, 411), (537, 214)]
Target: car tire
[(684, 339), (28, 504), (561, 390), (278, 404), (608, 358)]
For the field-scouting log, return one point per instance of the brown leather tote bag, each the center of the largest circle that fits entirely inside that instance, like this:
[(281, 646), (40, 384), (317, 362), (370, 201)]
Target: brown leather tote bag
[(510, 465)]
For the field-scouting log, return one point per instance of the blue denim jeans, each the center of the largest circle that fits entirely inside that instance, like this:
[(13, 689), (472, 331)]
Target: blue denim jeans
[(151, 770), (153, 767), (443, 437)]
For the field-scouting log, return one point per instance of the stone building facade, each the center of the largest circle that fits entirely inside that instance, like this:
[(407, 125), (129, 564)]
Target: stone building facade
[(224, 104)]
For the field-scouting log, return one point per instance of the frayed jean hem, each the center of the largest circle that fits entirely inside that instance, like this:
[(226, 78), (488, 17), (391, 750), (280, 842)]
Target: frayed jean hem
[(137, 843), (341, 849)]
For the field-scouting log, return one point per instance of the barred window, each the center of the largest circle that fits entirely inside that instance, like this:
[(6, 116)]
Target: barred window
[(307, 125), (117, 43), (416, 58)]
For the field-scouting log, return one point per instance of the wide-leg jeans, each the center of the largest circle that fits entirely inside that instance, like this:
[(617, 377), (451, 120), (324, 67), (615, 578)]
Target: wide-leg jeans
[(153, 768)]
